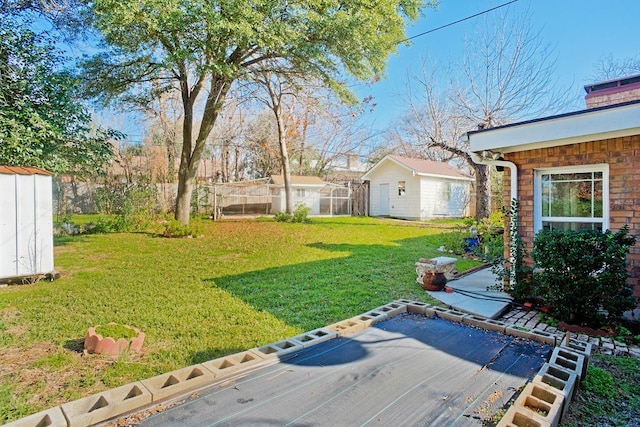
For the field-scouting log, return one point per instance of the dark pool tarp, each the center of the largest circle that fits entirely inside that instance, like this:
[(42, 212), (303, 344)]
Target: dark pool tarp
[(409, 370)]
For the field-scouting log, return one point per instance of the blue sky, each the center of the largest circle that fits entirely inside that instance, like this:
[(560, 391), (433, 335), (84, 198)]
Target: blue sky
[(580, 31)]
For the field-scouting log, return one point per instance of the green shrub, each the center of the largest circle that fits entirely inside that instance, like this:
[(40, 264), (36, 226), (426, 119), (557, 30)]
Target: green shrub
[(583, 274), (301, 213), (174, 228), (283, 217)]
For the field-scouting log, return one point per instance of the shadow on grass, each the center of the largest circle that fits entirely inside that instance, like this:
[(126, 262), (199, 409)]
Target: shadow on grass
[(75, 345), (357, 279)]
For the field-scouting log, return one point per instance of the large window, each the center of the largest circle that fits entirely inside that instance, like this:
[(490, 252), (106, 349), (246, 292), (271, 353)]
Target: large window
[(572, 198)]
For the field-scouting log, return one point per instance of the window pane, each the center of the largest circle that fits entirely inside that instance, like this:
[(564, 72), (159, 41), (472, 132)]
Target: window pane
[(564, 226), (572, 195)]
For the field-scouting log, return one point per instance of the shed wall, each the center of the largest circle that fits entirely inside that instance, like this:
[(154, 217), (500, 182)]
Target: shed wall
[(26, 225)]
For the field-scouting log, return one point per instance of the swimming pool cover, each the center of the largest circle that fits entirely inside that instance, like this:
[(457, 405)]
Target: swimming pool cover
[(409, 370)]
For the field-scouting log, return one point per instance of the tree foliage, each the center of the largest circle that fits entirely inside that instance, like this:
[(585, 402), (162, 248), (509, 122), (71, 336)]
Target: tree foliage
[(42, 123), (201, 48)]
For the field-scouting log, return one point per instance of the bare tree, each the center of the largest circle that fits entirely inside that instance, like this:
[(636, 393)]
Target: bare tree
[(609, 68), (278, 87), (506, 75), (165, 130)]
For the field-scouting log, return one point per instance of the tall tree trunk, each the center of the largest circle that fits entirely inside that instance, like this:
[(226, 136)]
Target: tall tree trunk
[(483, 191), (192, 153), (286, 169)]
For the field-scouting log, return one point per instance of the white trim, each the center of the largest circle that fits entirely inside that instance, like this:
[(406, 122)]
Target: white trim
[(537, 194), (582, 126)]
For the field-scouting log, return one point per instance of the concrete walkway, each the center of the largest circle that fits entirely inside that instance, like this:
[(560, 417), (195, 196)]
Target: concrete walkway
[(471, 296)]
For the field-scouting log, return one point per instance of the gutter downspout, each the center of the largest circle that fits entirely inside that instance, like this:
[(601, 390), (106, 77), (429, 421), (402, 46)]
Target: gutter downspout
[(513, 226)]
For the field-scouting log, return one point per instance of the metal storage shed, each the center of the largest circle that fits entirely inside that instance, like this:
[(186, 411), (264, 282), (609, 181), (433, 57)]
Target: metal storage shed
[(26, 223)]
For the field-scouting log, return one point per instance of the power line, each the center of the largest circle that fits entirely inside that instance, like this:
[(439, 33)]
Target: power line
[(457, 22)]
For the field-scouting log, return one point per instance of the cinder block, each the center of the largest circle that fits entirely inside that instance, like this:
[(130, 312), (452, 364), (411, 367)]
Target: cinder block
[(452, 315), (569, 360), (431, 310), (233, 363), (415, 307), (106, 405), (543, 337), (177, 382), (580, 347), (51, 417), (315, 337), (392, 309), (348, 326), (483, 323), (544, 401), (531, 334), (560, 379), (519, 417), (371, 317), (279, 349)]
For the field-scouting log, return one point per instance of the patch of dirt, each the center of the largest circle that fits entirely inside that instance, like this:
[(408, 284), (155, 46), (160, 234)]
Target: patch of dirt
[(43, 386)]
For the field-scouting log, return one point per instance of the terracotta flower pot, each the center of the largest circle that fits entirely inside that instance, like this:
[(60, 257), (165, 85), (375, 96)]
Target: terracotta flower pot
[(434, 281), (96, 343)]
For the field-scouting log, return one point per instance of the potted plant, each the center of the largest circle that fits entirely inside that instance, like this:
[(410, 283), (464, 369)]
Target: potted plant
[(434, 280)]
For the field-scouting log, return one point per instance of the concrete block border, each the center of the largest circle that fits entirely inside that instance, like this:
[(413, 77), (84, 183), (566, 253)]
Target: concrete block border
[(569, 360), (106, 405), (180, 381), (279, 349), (233, 363), (51, 417), (482, 323), (544, 402), (315, 337), (537, 404)]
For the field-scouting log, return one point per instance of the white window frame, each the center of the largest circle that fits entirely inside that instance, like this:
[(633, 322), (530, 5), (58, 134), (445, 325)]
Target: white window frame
[(537, 194)]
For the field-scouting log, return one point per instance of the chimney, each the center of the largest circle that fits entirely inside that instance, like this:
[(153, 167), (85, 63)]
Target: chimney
[(613, 92)]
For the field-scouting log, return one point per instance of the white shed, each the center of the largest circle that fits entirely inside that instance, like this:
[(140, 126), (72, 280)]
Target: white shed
[(305, 190), (417, 189), (26, 223)]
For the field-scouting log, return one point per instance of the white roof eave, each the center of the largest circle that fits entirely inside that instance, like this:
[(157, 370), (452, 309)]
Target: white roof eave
[(560, 130)]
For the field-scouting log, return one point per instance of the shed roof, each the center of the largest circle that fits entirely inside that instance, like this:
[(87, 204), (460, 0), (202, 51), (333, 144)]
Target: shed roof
[(308, 181), (422, 167), (19, 170)]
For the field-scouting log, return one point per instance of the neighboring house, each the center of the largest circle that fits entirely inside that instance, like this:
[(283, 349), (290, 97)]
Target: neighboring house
[(418, 189), (574, 171), (306, 190)]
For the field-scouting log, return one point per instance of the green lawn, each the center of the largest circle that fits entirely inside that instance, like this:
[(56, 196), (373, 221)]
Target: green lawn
[(243, 284)]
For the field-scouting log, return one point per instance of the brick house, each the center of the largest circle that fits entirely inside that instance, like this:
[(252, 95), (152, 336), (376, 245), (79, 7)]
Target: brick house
[(577, 170)]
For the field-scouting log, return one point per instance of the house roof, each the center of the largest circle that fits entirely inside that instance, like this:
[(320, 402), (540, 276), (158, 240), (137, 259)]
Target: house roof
[(19, 170), (299, 180), (611, 121), (421, 167)]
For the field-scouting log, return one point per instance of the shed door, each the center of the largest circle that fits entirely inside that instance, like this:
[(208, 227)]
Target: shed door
[(384, 200)]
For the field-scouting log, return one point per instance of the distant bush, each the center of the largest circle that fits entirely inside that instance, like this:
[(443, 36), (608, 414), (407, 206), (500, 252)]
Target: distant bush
[(300, 214), (583, 274), (174, 228)]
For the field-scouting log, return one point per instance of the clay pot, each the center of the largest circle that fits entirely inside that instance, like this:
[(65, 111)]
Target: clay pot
[(96, 343), (434, 281)]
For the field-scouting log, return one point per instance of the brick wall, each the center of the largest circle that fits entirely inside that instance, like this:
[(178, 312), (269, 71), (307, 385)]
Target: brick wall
[(623, 157), (598, 100)]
